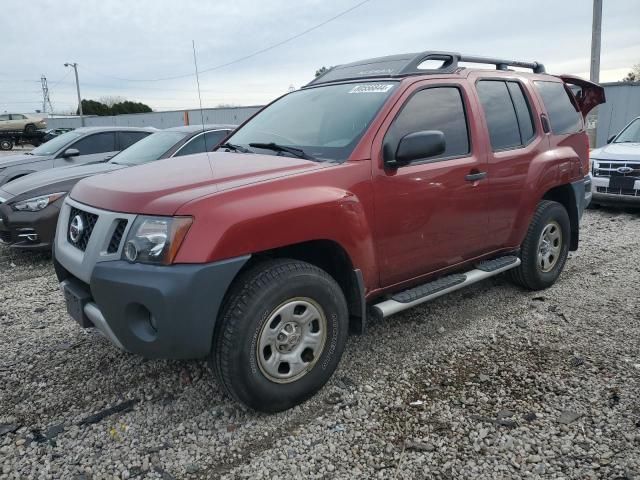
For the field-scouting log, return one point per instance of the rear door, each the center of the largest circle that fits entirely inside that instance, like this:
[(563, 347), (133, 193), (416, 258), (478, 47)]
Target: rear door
[(515, 140), (431, 214), (5, 121), (93, 148)]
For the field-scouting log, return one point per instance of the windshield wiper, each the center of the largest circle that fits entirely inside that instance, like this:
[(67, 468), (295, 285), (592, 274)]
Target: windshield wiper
[(235, 148), (297, 152)]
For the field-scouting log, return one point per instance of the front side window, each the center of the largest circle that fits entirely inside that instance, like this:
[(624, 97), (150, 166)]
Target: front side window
[(631, 134), (563, 114), (203, 142), (55, 144), (326, 121), (438, 108), (507, 113), (97, 143), (17, 116)]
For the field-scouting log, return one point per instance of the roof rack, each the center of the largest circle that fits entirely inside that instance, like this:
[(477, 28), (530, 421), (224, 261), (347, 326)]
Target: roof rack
[(405, 65)]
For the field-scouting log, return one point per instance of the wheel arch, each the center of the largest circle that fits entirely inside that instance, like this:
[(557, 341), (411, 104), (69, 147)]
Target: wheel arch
[(334, 259), (564, 195)]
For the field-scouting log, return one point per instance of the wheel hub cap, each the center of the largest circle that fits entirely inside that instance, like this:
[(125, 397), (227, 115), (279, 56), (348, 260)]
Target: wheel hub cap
[(291, 340), (549, 246)]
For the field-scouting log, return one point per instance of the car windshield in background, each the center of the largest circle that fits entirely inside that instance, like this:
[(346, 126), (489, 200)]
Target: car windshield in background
[(149, 148), (325, 122), (631, 134), (55, 144)]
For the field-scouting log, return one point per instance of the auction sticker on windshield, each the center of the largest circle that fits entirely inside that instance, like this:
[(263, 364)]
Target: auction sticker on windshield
[(372, 88)]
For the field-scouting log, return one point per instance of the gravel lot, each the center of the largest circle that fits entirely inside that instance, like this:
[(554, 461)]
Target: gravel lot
[(491, 382)]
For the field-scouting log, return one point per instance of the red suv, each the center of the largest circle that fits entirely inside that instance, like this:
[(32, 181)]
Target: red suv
[(381, 185)]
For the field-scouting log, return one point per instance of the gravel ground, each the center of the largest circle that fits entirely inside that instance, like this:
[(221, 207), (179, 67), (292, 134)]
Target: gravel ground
[(490, 382)]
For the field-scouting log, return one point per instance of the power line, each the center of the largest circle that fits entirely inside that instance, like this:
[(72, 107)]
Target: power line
[(241, 59)]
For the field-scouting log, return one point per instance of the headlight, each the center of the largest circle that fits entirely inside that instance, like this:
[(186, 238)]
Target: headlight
[(155, 239), (37, 203)]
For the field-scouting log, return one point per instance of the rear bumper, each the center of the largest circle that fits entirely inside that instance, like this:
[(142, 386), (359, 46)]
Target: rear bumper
[(29, 230), (154, 311)]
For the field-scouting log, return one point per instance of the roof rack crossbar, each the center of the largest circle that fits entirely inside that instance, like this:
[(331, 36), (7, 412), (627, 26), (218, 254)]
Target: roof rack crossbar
[(503, 64)]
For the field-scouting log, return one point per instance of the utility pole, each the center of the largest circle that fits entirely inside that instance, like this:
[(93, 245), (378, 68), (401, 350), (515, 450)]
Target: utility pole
[(75, 69), (596, 30), (45, 95)]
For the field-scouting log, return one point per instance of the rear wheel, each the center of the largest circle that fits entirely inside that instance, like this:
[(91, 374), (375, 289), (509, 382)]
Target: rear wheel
[(545, 248), (281, 334)]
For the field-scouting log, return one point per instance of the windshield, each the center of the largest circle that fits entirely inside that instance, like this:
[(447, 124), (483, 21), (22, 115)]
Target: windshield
[(149, 148), (325, 122), (631, 134), (55, 144)]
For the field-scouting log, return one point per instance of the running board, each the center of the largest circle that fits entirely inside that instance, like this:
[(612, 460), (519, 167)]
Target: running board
[(429, 291)]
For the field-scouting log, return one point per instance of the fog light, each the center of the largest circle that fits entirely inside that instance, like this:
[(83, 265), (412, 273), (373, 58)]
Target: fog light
[(131, 251)]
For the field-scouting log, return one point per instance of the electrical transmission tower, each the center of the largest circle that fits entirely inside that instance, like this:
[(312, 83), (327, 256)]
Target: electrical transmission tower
[(46, 101)]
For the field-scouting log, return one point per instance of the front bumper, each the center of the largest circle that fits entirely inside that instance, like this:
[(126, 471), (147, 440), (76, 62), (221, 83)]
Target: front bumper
[(603, 195), (154, 311), (29, 230)]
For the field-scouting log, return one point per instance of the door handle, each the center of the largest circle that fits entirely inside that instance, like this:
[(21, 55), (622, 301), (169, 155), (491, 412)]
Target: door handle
[(474, 177)]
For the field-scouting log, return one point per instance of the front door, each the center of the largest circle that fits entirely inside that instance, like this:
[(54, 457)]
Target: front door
[(432, 213), (92, 148)]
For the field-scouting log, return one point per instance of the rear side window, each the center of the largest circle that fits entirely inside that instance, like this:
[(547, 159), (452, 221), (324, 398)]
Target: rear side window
[(507, 112), (563, 116), (97, 143), (438, 108), (202, 143), (129, 138)]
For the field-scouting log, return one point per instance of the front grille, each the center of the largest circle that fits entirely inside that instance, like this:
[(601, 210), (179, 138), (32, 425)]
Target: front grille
[(610, 169), (5, 236), (620, 191), (116, 238), (88, 222)]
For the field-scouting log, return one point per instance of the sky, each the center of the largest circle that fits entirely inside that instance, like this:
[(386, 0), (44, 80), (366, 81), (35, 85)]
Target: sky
[(125, 48)]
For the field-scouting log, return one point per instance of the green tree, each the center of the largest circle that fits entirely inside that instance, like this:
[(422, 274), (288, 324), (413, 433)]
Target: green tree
[(633, 75), (93, 107), (322, 70)]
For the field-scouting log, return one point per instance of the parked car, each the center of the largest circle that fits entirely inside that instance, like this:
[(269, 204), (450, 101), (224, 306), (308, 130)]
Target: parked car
[(82, 145), (377, 187), (29, 206), (27, 123), (616, 168)]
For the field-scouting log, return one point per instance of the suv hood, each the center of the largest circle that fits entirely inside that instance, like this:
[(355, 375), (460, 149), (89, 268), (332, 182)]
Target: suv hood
[(52, 180), (11, 160), (160, 188), (617, 151)]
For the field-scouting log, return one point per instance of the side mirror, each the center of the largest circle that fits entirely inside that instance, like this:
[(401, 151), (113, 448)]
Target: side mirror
[(610, 139), (417, 146), (71, 152)]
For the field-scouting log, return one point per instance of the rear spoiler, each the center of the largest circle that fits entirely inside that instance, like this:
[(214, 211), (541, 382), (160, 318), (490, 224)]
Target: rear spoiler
[(589, 95)]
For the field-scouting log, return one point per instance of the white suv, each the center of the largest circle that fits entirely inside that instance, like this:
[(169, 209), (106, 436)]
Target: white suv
[(616, 168), (20, 121)]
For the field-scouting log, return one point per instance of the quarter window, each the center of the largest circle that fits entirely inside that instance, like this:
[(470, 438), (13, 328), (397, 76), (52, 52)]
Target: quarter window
[(507, 112), (438, 108), (97, 143), (563, 113)]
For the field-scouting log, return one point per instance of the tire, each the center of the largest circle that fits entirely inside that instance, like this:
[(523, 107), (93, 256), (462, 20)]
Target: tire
[(279, 310), (30, 128), (542, 259), (6, 144)]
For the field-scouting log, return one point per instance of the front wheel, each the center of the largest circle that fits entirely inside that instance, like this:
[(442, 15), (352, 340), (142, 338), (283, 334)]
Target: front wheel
[(281, 334), (545, 248), (30, 128)]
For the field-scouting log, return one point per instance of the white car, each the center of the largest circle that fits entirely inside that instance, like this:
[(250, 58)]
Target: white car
[(615, 168), (22, 122)]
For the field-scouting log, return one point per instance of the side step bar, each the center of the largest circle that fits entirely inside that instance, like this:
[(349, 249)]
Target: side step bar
[(429, 291)]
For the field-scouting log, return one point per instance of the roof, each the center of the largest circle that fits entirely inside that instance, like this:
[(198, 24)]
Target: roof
[(114, 128), (199, 128), (403, 65)]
